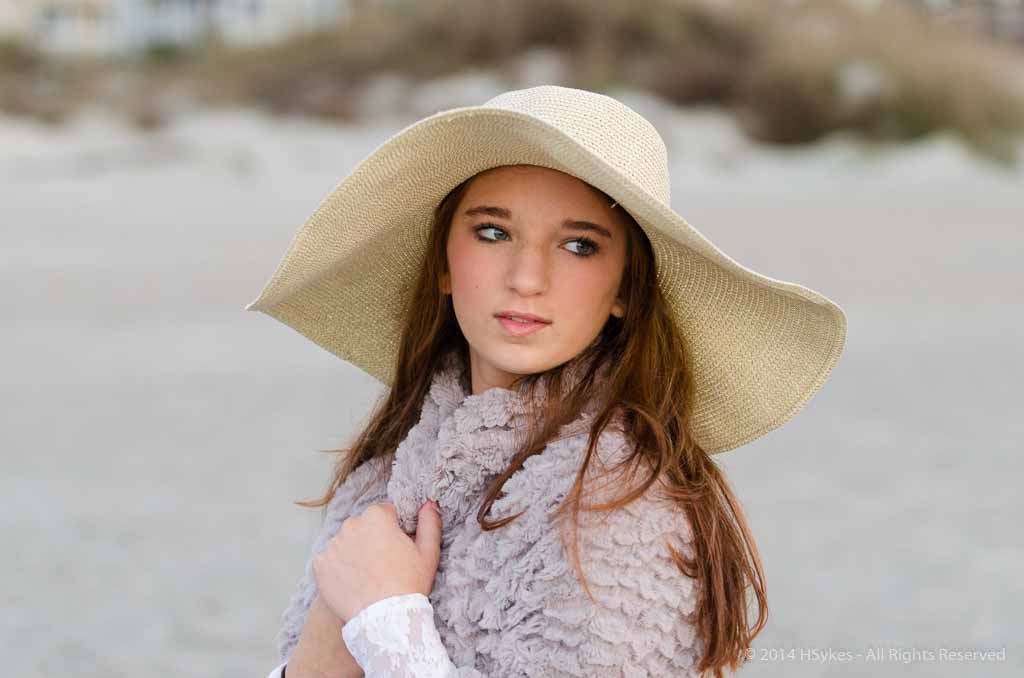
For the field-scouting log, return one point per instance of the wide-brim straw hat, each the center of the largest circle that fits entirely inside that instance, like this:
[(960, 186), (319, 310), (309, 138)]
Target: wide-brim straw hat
[(760, 347)]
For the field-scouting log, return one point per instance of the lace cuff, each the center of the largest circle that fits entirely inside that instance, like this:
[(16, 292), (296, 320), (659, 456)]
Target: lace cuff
[(396, 637)]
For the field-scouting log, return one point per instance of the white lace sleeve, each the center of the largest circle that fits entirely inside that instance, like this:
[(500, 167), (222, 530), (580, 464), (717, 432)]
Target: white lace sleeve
[(396, 638)]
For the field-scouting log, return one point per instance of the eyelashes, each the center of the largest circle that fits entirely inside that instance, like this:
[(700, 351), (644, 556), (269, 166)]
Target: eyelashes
[(592, 247)]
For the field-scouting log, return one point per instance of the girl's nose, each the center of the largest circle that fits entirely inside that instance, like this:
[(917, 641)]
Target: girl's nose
[(529, 271)]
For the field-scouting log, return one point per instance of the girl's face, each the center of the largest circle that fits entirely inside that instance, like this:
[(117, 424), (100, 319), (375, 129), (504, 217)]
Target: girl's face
[(532, 240)]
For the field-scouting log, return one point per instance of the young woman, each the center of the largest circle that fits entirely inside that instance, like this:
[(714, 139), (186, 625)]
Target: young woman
[(534, 494)]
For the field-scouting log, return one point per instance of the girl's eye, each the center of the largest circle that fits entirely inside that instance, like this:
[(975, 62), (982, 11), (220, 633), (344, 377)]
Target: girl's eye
[(590, 247), (486, 227), (589, 244)]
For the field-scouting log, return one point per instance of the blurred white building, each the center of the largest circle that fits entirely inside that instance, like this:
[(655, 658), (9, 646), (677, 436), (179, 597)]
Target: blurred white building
[(82, 26), (125, 26)]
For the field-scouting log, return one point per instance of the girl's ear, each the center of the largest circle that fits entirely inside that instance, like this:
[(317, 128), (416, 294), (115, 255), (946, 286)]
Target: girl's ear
[(446, 287), (618, 309)]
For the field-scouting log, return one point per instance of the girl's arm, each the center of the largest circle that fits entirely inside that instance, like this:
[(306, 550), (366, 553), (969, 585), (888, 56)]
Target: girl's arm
[(321, 650)]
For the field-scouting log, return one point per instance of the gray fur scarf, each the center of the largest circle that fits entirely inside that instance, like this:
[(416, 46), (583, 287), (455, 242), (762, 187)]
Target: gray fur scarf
[(508, 602)]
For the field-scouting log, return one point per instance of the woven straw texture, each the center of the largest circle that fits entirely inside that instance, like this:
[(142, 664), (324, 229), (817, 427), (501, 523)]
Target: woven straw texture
[(762, 347)]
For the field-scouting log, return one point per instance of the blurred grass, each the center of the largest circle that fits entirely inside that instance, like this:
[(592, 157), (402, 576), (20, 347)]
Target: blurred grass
[(790, 71)]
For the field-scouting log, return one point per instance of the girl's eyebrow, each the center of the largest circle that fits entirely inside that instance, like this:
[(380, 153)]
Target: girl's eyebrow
[(499, 212), (569, 224)]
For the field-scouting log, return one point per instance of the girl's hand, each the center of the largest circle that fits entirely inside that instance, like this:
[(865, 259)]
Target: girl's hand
[(371, 558)]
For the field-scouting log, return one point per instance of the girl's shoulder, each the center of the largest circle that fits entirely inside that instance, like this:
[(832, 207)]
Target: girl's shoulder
[(547, 477), (636, 532), (367, 484)]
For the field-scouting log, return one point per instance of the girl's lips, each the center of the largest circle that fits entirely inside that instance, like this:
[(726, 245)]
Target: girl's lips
[(520, 329)]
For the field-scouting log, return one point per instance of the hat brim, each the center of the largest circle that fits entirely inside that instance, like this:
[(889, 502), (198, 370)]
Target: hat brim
[(761, 347)]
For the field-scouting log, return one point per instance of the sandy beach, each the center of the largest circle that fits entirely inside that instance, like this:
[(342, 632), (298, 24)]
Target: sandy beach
[(155, 434)]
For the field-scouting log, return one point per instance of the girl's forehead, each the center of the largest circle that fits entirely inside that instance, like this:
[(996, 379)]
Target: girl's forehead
[(510, 181), (497, 176)]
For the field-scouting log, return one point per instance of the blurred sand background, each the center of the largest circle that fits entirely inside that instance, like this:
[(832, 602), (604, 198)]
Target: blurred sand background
[(155, 435)]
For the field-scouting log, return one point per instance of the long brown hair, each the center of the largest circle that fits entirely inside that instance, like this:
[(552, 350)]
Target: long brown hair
[(648, 390)]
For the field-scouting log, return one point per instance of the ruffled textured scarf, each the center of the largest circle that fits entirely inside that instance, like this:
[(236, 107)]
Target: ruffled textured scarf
[(463, 441), (506, 601)]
